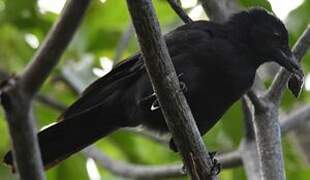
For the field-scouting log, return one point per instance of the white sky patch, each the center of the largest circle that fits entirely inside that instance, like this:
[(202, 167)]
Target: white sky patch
[(106, 66), (103, 1), (307, 82), (188, 3), (283, 7), (32, 40), (54, 6), (197, 13), (92, 170)]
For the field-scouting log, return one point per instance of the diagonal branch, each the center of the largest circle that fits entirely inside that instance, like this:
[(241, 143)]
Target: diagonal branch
[(173, 104), (53, 46), (178, 9)]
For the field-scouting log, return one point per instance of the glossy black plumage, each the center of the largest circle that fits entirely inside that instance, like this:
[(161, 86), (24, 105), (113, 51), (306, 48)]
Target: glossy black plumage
[(216, 62)]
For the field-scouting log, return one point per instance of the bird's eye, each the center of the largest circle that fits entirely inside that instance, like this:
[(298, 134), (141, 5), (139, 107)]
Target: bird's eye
[(276, 35)]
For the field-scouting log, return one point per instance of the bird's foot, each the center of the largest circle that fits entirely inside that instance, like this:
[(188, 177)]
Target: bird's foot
[(216, 167), (172, 145)]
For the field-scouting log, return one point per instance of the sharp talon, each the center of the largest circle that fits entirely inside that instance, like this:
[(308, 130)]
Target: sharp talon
[(184, 170), (155, 105), (216, 168), (212, 154), (172, 146), (183, 86)]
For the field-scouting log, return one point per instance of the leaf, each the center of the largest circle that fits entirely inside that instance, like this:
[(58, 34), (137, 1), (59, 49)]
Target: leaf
[(261, 3)]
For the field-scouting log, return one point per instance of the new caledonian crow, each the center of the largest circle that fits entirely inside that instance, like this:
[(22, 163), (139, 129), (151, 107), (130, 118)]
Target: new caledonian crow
[(215, 62)]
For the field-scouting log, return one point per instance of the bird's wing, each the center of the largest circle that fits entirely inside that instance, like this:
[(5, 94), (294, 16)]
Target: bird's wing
[(96, 94), (182, 40)]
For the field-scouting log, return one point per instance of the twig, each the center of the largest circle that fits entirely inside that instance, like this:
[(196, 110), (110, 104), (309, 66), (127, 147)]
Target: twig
[(227, 160), (295, 118), (219, 10), (51, 102), (247, 146), (123, 43), (17, 92), (279, 83), (165, 82), (178, 9), (149, 135)]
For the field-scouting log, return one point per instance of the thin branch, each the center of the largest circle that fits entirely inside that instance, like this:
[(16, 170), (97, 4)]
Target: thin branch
[(258, 103), (219, 10), (133, 170), (227, 160), (53, 46), (295, 118), (149, 135), (180, 12), (123, 43), (247, 146), (165, 82), (51, 102), (279, 83)]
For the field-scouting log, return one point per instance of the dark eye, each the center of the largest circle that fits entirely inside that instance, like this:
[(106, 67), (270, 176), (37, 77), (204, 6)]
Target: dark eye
[(276, 35)]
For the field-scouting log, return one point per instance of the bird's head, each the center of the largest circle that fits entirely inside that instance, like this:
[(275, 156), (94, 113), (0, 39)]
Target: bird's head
[(268, 38)]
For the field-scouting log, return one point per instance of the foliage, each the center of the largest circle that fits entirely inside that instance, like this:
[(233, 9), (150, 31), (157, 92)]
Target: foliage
[(98, 36)]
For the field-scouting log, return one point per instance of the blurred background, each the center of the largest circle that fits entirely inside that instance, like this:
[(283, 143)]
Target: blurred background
[(105, 38)]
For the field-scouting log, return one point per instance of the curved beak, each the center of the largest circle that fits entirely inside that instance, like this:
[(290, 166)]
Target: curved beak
[(287, 60)]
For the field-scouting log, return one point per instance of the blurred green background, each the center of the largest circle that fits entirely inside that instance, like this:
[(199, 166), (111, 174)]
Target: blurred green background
[(23, 26)]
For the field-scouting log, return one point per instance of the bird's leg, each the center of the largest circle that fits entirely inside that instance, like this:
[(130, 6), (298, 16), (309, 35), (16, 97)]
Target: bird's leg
[(216, 167), (155, 105)]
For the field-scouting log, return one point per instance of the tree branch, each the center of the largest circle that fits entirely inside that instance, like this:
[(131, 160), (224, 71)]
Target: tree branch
[(166, 85), (178, 9), (219, 10), (53, 46), (135, 171), (295, 118), (279, 83), (16, 93), (123, 43)]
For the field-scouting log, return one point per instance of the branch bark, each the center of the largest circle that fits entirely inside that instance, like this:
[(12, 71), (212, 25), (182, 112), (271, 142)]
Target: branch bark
[(16, 93), (178, 9), (166, 85)]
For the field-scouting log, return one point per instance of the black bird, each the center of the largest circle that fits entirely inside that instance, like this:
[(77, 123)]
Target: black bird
[(216, 63)]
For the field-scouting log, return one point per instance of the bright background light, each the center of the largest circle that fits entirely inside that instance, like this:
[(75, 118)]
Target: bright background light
[(188, 3), (283, 7), (106, 66), (92, 170), (32, 40), (54, 6)]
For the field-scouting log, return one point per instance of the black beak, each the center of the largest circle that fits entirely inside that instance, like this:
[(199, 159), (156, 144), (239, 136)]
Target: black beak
[(287, 60)]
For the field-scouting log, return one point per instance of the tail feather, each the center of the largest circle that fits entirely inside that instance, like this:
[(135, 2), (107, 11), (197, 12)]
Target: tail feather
[(66, 137)]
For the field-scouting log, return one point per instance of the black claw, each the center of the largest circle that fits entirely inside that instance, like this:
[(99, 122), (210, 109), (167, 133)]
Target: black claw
[(172, 146), (183, 86), (216, 168)]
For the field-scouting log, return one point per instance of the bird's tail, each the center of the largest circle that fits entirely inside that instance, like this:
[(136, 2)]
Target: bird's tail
[(60, 140)]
